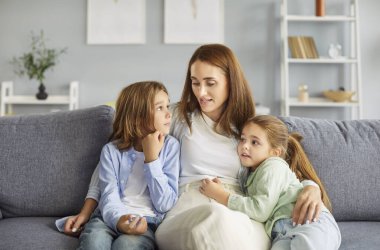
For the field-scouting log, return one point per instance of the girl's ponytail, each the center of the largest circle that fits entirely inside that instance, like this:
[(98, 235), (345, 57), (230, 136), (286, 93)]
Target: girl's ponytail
[(299, 163)]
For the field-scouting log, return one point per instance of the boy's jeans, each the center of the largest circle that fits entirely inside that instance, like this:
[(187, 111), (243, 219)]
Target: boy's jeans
[(98, 236)]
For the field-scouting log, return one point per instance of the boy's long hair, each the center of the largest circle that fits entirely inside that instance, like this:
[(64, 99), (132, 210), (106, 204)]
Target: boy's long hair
[(239, 105), (291, 150), (134, 117)]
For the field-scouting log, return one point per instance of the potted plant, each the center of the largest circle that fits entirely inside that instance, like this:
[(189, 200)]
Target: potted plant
[(35, 63)]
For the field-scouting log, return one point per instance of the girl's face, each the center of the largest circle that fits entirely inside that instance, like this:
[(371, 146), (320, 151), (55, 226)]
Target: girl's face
[(254, 146), (162, 116), (210, 87)]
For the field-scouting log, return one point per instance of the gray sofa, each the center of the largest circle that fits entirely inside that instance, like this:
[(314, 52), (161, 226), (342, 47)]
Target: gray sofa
[(46, 162)]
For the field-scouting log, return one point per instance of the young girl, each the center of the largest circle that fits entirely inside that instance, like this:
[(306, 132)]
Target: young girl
[(138, 172), (265, 149)]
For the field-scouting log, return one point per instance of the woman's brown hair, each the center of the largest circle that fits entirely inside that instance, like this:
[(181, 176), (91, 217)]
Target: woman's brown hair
[(239, 105), (134, 116), (291, 150)]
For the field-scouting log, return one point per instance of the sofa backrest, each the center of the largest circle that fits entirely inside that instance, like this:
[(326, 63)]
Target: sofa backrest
[(346, 156), (46, 161)]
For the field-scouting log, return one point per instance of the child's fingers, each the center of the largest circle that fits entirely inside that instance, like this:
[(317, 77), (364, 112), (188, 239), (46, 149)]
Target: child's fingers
[(216, 180), (141, 226), (69, 225), (133, 221)]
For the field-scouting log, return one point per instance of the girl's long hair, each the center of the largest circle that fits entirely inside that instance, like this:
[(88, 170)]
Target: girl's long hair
[(239, 105), (134, 116), (291, 150)]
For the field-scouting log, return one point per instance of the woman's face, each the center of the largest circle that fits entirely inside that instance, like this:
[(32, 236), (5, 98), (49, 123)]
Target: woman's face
[(210, 87)]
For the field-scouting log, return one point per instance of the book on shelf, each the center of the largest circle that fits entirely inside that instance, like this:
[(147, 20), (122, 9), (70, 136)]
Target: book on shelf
[(302, 47)]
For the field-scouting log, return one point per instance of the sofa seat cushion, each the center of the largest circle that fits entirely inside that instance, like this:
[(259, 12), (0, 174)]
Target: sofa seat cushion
[(359, 235), (33, 233), (346, 156)]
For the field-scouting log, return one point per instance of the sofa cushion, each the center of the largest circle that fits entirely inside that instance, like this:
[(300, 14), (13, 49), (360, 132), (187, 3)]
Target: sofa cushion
[(360, 235), (46, 161), (346, 156), (33, 233)]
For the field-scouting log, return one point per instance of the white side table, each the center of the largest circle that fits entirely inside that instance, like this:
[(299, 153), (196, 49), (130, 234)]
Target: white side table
[(8, 99)]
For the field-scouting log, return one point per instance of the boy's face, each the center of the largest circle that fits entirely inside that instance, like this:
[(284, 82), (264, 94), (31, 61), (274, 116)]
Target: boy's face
[(162, 116), (254, 146)]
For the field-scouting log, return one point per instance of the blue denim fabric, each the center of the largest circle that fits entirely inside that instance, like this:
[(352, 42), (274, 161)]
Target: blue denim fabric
[(322, 234), (98, 236)]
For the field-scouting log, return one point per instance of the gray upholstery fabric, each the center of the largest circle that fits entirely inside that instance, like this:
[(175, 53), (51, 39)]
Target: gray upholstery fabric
[(46, 161), (346, 156), (33, 233), (360, 235)]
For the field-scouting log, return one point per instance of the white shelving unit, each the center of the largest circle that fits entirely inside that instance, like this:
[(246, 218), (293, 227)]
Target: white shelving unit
[(8, 99), (352, 60)]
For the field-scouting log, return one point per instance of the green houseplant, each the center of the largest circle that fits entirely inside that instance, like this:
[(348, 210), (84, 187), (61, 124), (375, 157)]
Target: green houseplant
[(36, 62)]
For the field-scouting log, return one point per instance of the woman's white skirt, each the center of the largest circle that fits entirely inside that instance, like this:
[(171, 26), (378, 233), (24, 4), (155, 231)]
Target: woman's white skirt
[(198, 222)]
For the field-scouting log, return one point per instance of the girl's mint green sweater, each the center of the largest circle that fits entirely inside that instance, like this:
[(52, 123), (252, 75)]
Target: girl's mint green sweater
[(272, 190)]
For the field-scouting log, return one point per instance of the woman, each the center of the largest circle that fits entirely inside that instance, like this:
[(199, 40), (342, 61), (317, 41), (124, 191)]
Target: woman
[(215, 103)]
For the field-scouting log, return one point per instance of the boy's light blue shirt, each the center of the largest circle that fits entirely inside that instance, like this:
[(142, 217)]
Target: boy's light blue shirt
[(161, 176)]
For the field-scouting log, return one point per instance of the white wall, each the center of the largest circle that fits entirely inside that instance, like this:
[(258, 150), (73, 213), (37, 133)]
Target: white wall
[(252, 30)]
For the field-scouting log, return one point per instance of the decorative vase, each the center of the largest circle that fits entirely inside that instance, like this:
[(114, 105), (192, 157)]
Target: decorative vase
[(41, 95), (319, 7)]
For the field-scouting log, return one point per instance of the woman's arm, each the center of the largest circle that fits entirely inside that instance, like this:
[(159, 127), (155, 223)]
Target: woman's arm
[(308, 206)]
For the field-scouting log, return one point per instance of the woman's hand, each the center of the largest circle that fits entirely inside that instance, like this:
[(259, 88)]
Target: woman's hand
[(152, 145), (74, 224), (214, 190), (130, 224), (308, 206)]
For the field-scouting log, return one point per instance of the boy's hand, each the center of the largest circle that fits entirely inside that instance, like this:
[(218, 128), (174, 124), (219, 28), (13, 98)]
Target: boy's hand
[(74, 224), (214, 190), (129, 224), (152, 145)]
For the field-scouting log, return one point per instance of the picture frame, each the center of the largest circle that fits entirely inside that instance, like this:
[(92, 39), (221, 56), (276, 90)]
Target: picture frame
[(193, 21), (116, 21)]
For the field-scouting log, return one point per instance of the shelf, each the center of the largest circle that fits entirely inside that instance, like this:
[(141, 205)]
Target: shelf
[(21, 99), (296, 18), (322, 60), (8, 99), (320, 102)]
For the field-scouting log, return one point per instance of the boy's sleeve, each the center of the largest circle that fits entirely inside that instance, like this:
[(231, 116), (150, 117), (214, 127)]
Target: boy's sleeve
[(110, 203), (162, 176)]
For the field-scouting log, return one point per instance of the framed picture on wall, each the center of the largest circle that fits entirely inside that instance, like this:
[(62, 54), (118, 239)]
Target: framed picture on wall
[(115, 21), (194, 21)]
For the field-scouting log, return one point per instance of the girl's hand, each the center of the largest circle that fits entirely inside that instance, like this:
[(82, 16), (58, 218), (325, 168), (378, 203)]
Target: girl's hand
[(308, 206), (214, 190), (152, 145), (74, 224), (130, 224)]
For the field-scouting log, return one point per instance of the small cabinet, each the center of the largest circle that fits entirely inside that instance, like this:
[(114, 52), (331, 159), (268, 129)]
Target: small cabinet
[(8, 99)]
